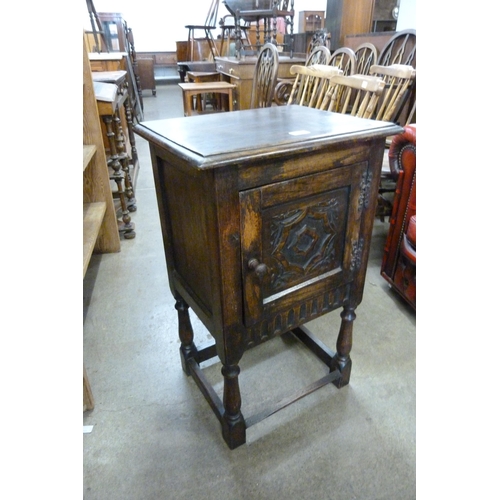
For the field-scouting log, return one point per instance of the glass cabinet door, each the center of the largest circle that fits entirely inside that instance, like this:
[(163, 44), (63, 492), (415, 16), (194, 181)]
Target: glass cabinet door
[(110, 29)]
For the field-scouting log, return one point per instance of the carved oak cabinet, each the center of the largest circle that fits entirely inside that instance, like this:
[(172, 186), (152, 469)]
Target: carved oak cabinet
[(266, 217)]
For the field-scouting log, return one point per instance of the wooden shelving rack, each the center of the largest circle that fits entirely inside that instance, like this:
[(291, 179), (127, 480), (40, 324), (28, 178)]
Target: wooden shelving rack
[(100, 228)]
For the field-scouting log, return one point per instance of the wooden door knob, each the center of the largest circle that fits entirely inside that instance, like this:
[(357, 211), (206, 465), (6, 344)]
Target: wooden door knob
[(259, 268)]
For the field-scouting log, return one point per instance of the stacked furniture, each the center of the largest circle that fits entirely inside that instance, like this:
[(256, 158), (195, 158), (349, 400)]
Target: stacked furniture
[(118, 136)]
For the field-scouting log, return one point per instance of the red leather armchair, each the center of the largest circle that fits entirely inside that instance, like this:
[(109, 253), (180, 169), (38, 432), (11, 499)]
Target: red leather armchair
[(399, 261)]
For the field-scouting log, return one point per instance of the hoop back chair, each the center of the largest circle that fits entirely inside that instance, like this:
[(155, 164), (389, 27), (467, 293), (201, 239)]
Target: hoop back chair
[(400, 49), (399, 80), (319, 55), (283, 91), (364, 90), (366, 56), (309, 84), (344, 59), (265, 77), (320, 38)]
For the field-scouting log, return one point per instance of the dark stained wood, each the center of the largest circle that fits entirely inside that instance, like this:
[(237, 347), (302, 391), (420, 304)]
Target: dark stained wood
[(266, 225), (241, 72)]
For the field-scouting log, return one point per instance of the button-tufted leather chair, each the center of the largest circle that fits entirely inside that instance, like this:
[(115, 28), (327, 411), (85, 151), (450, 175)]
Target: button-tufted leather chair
[(399, 262)]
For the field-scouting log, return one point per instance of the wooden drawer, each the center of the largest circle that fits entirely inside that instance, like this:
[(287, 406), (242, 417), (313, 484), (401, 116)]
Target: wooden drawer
[(242, 69)]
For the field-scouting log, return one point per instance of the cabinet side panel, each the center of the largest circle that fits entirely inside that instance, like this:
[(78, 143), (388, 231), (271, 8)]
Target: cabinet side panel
[(187, 216)]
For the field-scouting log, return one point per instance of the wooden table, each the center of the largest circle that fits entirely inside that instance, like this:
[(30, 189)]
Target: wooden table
[(190, 90), (266, 223)]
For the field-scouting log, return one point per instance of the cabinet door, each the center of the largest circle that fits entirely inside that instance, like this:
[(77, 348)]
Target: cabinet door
[(300, 238)]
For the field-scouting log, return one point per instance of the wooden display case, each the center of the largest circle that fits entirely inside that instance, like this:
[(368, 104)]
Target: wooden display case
[(311, 20)]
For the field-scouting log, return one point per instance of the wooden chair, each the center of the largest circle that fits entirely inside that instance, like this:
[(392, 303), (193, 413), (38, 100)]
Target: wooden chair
[(344, 59), (366, 56), (364, 89), (282, 92), (320, 38), (399, 82), (265, 77), (209, 25), (228, 31), (400, 49), (268, 11), (319, 55), (310, 83)]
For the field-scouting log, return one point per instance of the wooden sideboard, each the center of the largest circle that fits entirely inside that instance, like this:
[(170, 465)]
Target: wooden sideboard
[(240, 73), (266, 216)]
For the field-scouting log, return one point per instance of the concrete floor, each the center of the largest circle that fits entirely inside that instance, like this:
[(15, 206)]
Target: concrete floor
[(155, 437)]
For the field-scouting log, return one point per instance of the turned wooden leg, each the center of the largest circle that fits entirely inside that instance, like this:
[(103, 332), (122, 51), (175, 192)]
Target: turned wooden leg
[(188, 348), (233, 423), (125, 160), (131, 135), (125, 226), (341, 360)]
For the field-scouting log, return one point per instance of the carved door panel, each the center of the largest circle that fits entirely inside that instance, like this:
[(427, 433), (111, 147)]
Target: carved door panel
[(300, 237)]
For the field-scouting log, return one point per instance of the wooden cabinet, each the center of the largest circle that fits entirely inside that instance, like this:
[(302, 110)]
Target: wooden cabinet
[(114, 28), (240, 73), (100, 229), (146, 74), (266, 224), (311, 20), (347, 18)]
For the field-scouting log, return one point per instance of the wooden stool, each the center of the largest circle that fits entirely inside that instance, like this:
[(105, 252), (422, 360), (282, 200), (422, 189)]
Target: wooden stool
[(199, 77), (191, 89)]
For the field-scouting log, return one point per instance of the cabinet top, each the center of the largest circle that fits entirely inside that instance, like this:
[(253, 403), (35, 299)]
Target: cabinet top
[(210, 139)]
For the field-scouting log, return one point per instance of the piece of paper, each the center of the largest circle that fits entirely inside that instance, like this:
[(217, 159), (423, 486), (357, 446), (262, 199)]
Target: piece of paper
[(87, 429)]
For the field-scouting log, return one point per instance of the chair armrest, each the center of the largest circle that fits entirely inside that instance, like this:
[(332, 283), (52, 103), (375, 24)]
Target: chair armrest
[(403, 151)]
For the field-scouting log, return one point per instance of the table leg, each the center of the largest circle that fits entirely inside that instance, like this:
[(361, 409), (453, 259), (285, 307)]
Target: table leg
[(186, 336), (188, 103), (342, 360), (233, 423)]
